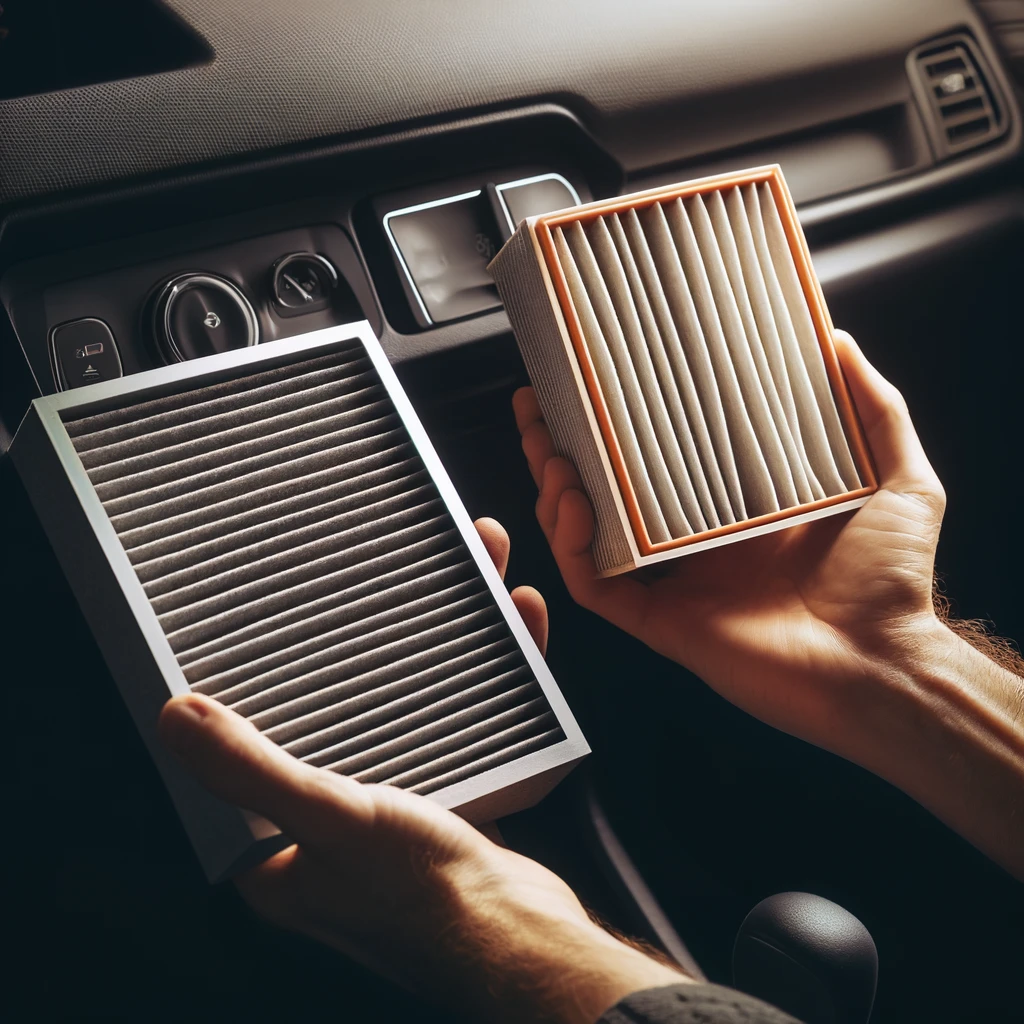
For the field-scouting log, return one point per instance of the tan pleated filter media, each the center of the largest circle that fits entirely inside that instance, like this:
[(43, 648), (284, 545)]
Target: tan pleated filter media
[(682, 355)]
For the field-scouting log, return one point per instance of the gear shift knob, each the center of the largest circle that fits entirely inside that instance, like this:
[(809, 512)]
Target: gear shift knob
[(809, 957)]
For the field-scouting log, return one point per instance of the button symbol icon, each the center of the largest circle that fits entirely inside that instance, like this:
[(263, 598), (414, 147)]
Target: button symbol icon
[(211, 319), (90, 373)]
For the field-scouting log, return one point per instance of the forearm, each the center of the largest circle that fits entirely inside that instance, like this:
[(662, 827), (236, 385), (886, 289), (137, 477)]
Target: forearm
[(944, 723)]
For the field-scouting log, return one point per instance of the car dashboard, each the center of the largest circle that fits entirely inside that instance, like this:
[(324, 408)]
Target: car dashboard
[(283, 168)]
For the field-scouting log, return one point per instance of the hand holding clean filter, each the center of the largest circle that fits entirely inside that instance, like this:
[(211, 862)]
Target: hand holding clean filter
[(682, 355)]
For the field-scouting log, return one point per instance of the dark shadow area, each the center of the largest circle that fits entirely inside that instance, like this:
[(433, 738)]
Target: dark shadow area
[(46, 45)]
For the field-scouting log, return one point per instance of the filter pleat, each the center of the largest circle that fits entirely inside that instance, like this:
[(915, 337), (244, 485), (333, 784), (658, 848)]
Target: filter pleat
[(458, 767), (477, 720), (599, 264), (334, 523), (647, 353), (395, 712), (307, 573), (618, 410), (350, 653), (758, 489), (298, 612), (782, 493), (673, 375), (144, 418), (375, 619), (186, 441), (308, 701), (809, 416), (246, 455), (807, 340), (261, 488), (415, 771), (383, 698), (776, 370), (353, 540), (300, 502), (790, 478), (694, 369)]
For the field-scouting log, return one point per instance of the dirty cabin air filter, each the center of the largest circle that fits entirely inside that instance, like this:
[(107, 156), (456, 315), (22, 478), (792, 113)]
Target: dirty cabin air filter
[(681, 351), (271, 527)]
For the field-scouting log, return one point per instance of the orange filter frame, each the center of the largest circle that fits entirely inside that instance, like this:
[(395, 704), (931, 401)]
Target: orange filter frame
[(772, 175)]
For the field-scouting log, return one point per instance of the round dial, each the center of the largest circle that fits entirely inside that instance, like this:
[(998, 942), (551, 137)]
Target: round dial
[(200, 314), (302, 282)]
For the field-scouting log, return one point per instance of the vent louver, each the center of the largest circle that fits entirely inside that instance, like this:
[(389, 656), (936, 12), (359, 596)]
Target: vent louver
[(960, 106), (304, 565)]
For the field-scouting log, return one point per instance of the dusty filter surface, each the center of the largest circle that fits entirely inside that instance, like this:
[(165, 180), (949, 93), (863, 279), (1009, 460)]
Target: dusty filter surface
[(703, 393), (307, 574)]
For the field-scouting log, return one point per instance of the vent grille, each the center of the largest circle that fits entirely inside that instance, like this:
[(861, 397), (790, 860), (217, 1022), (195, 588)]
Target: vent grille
[(704, 351), (959, 99), (307, 573)]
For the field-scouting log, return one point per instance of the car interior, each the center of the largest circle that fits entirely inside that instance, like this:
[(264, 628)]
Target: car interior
[(297, 167)]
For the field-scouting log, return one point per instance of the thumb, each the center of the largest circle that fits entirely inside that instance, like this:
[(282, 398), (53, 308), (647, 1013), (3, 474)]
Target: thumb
[(233, 760), (897, 450)]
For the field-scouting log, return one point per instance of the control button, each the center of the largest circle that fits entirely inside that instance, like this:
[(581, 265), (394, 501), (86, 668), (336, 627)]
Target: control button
[(302, 282), (199, 314), (527, 197), (443, 249), (84, 352)]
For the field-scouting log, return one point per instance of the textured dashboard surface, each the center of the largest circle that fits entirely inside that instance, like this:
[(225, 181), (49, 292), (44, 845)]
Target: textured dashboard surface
[(655, 82)]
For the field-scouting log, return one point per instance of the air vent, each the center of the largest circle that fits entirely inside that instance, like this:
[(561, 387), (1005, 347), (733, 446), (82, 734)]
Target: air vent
[(957, 97), (305, 562)]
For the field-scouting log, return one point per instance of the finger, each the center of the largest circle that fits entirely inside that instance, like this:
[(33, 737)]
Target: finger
[(526, 408), (495, 539), (559, 476), (539, 448), (621, 600), (896, 448), (233, 760), (534, 612), (270, 887), (537, 444)]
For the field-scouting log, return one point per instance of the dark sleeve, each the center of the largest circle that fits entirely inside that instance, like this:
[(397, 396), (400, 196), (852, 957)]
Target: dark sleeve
[(694, 1004)]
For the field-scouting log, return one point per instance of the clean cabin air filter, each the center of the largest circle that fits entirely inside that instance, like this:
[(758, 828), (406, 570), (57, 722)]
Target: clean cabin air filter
[(271, 527), (682, 355)]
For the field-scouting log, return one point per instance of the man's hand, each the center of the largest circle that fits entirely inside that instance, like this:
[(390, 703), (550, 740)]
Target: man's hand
[(783, 625), (828, 631), (406, 887)]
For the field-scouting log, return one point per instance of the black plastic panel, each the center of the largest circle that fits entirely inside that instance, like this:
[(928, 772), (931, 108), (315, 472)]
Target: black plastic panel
[(50, 292)]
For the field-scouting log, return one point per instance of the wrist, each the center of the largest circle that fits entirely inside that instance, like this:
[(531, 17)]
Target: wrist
[(546, 960)]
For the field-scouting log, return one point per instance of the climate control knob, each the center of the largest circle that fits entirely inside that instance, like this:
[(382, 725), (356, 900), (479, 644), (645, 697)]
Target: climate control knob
[(199, 314)]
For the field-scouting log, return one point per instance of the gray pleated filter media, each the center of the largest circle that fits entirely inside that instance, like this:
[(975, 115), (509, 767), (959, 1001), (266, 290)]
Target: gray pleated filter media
[(272, 527)]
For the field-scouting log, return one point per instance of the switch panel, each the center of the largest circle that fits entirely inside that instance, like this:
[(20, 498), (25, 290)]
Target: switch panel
[(84, 352)]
